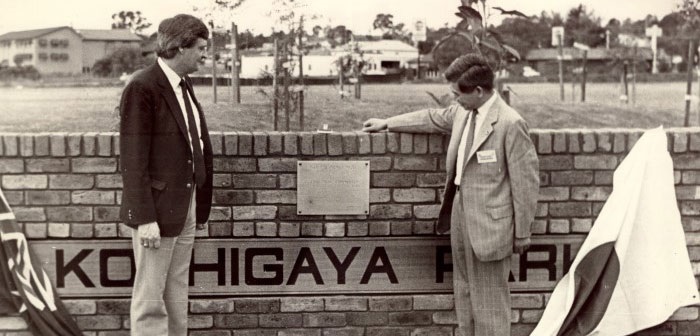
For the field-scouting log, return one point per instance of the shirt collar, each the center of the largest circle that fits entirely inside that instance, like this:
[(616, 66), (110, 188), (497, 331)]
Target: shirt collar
[(486, 106), (172, 76)]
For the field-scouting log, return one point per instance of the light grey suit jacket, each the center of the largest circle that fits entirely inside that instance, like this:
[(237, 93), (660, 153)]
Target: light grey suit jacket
[(499, 198)]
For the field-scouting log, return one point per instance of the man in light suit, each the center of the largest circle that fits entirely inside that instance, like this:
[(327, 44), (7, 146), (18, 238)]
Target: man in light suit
[(166, 165), (490, 193)]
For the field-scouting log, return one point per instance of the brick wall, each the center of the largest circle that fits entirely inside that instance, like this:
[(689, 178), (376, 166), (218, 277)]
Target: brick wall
[(66, 186)]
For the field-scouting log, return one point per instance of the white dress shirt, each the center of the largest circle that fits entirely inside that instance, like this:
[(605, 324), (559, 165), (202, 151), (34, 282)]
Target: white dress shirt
[(174, 81), (483, 111)]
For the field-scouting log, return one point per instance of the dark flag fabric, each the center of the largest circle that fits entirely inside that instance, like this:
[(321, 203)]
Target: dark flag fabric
[(632, 271), (24, 286)]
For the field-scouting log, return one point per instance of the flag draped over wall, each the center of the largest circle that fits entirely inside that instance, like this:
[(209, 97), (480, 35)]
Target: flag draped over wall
[(632, 271), (24, 286)]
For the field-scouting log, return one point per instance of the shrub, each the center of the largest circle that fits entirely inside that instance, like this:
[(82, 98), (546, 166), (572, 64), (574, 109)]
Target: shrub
[(122, 60), (20, 72)]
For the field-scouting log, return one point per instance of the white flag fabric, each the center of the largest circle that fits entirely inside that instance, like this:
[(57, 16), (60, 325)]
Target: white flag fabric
[(632, 271)]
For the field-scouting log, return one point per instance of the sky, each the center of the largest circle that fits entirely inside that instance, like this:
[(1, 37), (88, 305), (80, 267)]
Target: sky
[(255, 15)]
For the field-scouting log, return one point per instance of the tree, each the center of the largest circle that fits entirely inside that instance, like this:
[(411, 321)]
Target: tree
[(338, 35), (133, 21), (122, 60), (483, 38), (584, 27), (391, 31)]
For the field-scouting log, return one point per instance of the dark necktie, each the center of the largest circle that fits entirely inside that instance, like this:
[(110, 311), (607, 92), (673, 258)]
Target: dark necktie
[(470, 137), (200, 174)]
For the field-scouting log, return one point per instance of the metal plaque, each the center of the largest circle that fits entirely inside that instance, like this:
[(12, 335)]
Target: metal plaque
[(333, 187), (297, 266)]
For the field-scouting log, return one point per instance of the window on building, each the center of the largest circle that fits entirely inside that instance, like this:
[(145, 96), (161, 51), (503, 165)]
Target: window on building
[(43, 57), (86, 69), (23, 42), (43, 43)]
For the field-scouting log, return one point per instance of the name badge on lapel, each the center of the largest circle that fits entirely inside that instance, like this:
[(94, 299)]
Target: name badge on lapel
[(486, 156)]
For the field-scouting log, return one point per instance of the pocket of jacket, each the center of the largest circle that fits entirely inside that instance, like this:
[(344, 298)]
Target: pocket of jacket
[(158, 185), (501, 211)]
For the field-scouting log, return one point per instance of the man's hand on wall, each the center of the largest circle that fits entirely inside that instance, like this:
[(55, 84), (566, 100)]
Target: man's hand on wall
[(202, 226), (149, 234), (374, 125), (520, 245)]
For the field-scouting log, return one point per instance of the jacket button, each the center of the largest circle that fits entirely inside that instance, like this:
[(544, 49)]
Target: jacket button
[(189, 185), (189, 161)]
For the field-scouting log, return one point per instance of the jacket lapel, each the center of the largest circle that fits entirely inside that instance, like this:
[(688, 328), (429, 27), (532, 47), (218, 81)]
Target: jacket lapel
[(455, 138), (486, 127), (174, 107)]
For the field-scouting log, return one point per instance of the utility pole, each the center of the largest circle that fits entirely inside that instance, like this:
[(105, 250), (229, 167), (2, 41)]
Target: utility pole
[(301, 75), (275, 79), (235, 80), (213, 66), (689, 86), (654, 32), (561, 68), (584, 72)]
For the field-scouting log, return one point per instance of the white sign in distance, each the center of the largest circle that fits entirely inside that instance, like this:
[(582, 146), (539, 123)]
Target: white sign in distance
[(557, 31), (333, 187), (420, 32)]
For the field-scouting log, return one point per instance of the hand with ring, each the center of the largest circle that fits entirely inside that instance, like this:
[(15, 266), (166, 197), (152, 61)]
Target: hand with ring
[(149, 235)]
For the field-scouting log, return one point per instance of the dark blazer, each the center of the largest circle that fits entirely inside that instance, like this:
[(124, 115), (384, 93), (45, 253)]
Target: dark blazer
[(155, 155)]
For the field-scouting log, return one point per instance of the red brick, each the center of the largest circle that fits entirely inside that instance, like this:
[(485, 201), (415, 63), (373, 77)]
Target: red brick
[(94, 165), (379, 228), (230, 143), (47, 197), (319, 143), (556, 162), (605, 143), (11, 166), (47, 165), (35, 230), (390, 303), (254, 181), (59, 230), (554, 194), (287, 229), (233, 197), (217, 143), (93, 197), (345, 304), (98, 322), (276, 197), (414, 195), (102, 230), (602, 162), (576, 177), (220, 213), (378, 143), (220, 229), (29, 214), (24, 181), (347, 331), (281, 320), (26, 145), (415, 163), (364, 143), (357, 229), (377, 195), (301, 304), (334, 229), (313, 229), (299, 332), (291, 146), (590, 193), (234, 165), (433, 302), (544, 142), (81, 230), (432, 331), (112, 181), (211, 306), (235, 321), (278, 164), (335, 144), (200, 321), (306, 143), (10, 142), (431, 180), (245, 143), (324, 320), (243, 229), (411, 318), (388, 331), (71, 181), (69, 214), (106, 213), (266, 229), (390, 211), (559, 226), (259, 143), (570, 209), (257, 305), (527, 301), (367, 318), (574, 142), (80, 307), (395, 180), (445, 317), (350, 145)]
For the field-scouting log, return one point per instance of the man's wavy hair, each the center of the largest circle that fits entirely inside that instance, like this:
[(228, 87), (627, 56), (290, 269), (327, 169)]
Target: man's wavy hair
[(470, 71), (179, 31)]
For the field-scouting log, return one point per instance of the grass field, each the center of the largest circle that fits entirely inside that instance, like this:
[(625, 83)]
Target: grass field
[(92, 109)]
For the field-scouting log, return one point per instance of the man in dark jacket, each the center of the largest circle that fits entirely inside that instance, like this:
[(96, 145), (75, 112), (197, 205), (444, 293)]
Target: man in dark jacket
[(166, 165)]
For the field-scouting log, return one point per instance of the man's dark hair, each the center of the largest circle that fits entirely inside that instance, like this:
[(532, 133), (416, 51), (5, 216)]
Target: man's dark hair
[(179, 31), (470, 71)]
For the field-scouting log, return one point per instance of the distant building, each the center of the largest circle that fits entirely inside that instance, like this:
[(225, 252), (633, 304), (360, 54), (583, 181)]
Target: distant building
[(382, 57), (62, 49), (598, 60)]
